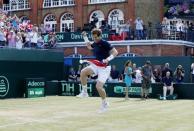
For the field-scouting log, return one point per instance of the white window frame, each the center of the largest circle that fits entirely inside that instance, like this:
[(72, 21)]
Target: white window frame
[(100, 16), (15, 5), (68, 20), (115, 18), (104, 1), (51, 20), (57, 3)]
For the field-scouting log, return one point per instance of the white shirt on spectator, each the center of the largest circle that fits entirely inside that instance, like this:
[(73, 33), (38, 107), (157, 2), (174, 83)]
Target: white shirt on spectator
[(34, 38)]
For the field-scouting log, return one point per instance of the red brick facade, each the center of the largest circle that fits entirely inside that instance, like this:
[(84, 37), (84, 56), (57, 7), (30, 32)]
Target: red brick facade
[(142, 50)]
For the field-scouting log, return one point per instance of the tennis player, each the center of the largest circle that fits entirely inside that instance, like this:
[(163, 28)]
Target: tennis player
[(104, 53)]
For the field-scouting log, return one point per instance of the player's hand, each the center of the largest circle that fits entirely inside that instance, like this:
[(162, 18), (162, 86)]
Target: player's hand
[(84, 33), (105, 61)]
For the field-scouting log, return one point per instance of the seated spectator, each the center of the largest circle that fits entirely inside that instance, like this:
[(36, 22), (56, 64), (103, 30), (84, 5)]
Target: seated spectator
[(179, 74), (72, 75), (114, 74), (168, 85), (79, 72), (166, 69), (157, 75)]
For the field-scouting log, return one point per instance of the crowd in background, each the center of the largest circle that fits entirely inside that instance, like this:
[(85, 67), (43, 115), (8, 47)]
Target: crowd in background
[(175, 29), (21, 33), (118, 76)]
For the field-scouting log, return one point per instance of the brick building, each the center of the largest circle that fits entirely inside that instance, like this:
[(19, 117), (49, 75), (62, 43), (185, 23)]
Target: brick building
[(77, 14)]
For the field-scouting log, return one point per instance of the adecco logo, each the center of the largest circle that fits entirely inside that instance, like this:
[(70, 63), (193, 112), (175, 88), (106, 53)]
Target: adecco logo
[(4, 86), (36, 84)]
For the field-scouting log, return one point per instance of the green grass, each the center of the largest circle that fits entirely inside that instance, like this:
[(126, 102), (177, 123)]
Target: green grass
[(60, 113)]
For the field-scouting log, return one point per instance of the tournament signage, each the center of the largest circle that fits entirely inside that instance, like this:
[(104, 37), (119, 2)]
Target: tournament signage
[(4, 86), (35, 87), (72, 37), (72, 89), (133, 90)]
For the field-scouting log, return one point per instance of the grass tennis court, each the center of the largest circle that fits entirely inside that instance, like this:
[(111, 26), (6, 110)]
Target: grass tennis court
[(62, 113)]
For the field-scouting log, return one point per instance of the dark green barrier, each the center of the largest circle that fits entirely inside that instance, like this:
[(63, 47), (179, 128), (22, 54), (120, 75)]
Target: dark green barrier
[(184, 91), (16, 65)]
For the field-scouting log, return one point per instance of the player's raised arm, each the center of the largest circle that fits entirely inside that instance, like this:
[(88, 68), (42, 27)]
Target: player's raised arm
[(86, 40)]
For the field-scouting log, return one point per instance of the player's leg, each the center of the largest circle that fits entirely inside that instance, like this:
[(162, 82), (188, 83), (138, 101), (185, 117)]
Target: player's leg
[(164, 92), (87, 71), (102, 93), (103, 74), (127, 92)]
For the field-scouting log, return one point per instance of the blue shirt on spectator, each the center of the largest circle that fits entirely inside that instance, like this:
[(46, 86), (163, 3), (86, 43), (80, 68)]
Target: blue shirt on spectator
[(167, 80)]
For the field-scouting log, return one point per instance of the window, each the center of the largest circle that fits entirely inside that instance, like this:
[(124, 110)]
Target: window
[(58, 3), (96, 18), (23, 18), (67, 23), (50, 22), (15, 5), (115, 18)]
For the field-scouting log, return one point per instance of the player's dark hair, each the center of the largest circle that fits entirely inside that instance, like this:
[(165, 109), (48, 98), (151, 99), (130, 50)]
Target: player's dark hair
[(96, 31)]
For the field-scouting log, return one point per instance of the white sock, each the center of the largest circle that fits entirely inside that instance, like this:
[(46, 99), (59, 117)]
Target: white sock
[(104, 100), (84, 88)]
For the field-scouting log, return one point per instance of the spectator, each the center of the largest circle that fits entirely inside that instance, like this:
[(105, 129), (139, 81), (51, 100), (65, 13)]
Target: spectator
[(72, 75), (48, 28), (12, 39), (138, 75), (179, 74), (157, 75), (114, 74), (134, 68), (79, 72), (168, 85), (128, 78), (146, 82), (124, 30), (166, 69), (52, 40), (139, 28), (2, 38), (19, 43), (34, 37)]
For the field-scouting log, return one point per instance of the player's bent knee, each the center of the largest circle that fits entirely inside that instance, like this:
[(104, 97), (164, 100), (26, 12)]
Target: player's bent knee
[(99, 85), (86, 72)]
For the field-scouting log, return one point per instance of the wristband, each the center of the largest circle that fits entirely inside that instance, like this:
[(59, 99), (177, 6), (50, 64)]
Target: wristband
[(110, 58), (86, 39)]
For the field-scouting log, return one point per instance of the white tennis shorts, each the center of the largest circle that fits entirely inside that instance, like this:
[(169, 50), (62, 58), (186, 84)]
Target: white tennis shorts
[(102, 72)]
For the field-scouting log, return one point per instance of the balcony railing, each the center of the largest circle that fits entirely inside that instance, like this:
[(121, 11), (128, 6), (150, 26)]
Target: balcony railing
[(104, 1), (59, 3)]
